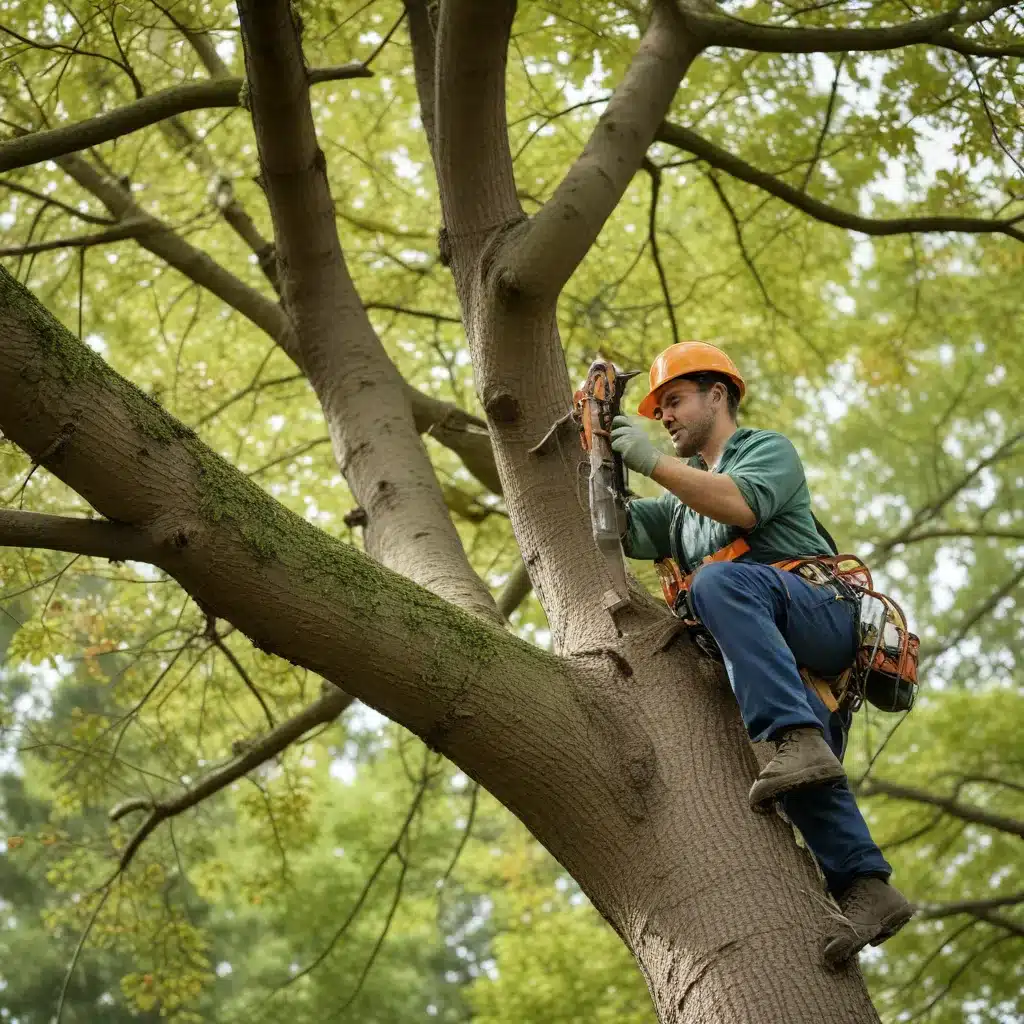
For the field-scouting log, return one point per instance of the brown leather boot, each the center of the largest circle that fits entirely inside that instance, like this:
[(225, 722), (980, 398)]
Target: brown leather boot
[(803, 759), (873, 911)]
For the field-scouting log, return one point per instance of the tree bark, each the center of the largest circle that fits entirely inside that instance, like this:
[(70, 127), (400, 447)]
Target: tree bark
[(364, 399)]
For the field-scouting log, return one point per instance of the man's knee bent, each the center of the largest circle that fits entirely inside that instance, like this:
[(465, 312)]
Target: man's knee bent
[(720, 581)]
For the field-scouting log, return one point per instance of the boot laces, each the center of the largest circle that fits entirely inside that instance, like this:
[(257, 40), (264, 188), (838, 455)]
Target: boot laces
[(787, 745)]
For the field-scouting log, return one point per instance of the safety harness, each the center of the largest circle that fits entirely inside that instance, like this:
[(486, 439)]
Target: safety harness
[(884, 668)]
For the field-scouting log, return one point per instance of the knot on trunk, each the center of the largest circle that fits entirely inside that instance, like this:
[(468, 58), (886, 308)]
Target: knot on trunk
[(357, 517), (444, 248), (502, 406), (494, 272)]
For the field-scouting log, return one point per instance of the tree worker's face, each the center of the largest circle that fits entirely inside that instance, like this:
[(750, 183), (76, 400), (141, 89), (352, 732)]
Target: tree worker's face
[(688, 414)]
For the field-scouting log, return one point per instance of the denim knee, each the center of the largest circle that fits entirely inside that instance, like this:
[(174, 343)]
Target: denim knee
[(713, 581)]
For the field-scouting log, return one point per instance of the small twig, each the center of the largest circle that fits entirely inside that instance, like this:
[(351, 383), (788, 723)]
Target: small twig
[(78, 950), (406, 311), (321, 712), (127, 229), (543, 446), (953, 978), (988, 114), (972, 618), (823, 134), (89, 218), (384, 42), (655, 174), (933, 911), (738, 232), (878, 753), (949, 804), (464, 838), (391, 851), (218, 641), (395, 899)]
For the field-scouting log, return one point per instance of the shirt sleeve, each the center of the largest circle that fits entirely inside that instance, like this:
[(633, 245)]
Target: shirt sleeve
[(768, 472), (647, 531)]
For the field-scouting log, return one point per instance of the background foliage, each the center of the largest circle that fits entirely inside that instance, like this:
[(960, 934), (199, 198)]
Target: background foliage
[(358, 876)]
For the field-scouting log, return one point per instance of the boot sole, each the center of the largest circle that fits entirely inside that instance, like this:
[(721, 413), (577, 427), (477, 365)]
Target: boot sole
[(887, 928), (764, 791), (893, 923)]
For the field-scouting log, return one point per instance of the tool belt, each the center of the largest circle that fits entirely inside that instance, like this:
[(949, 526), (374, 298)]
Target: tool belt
[(884, 668)]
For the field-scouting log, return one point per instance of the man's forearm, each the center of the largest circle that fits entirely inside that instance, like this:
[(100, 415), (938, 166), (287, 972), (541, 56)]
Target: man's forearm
[(711, 494)]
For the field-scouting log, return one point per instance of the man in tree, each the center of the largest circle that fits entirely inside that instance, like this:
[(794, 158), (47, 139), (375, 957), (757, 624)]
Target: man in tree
[(739, 482)]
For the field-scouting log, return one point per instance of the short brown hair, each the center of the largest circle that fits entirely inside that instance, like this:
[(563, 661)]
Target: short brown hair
[(706, 380)]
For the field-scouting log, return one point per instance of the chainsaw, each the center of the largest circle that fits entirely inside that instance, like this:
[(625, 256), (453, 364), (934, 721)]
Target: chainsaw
[(594, 406)]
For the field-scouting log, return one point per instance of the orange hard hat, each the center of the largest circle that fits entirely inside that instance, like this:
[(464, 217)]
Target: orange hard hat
[(679, 360)]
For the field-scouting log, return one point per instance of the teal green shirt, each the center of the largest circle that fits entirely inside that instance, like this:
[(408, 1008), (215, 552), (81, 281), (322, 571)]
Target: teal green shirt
[(767, 470)]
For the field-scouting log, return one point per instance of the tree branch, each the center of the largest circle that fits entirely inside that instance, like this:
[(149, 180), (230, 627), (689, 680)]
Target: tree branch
[(98, 538), (933, 508), (477, 194), (737, 230), (164, 243), (424, 61), (292, 589), (425, 314), (515, 590), (326, 709), (323, 711), (934, 911), (125, 229), (725, 30), (999, 921), (952, 533), (218, 641), (89, 218), (951, 980), (973, 618), (200, 41), (830, 109), (691, 142), (654, 171), (565, 228), (363, 397), (464, 434), (36, 147), (965, 812)]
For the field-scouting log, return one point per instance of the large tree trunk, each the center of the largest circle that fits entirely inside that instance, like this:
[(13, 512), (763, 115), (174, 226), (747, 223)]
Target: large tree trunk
[(724, 914)]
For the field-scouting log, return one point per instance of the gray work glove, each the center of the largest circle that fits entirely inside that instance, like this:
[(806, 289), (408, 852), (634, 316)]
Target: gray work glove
[(630, 440)]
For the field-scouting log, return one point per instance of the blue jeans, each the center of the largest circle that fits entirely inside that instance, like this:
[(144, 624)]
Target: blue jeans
[(768, 622)]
